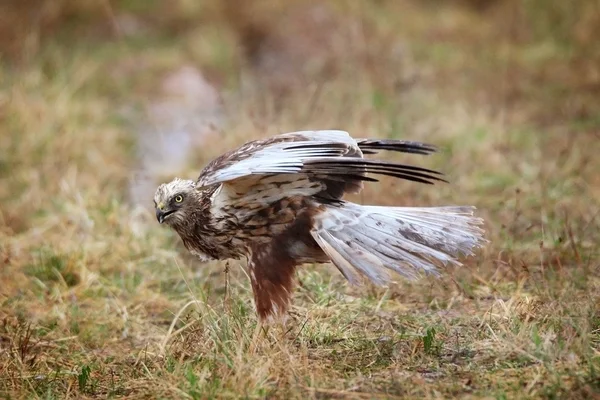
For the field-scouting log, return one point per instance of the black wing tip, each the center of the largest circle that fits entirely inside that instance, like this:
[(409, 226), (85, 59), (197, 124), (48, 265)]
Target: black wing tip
[(379, 164), (372, 146), (339, 166)]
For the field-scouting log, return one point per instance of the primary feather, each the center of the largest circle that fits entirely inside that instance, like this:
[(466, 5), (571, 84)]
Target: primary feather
[(279, 203)]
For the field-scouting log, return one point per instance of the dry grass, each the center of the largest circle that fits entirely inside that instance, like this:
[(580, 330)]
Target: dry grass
[(91, 306)]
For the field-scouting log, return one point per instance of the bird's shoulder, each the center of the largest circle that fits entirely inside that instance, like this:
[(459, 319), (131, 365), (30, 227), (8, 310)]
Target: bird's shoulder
[(245, 151)]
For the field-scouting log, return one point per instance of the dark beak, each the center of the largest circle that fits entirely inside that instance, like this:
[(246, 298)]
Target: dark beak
[(160, 216)]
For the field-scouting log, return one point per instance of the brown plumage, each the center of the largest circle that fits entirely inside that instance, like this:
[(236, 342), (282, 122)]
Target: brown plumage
[(279, 203)]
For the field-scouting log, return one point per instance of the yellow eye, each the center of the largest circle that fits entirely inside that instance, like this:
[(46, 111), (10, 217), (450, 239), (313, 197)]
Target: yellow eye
[(179, 199)]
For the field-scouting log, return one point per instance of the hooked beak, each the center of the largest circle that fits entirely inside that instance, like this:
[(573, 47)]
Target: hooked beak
[(160, 216), (163, 212)]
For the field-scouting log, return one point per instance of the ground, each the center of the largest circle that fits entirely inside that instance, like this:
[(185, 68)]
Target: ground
[(97, 300)]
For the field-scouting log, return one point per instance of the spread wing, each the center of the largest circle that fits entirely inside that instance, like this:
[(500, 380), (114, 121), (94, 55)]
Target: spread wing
[(280, 154), (332, 158)]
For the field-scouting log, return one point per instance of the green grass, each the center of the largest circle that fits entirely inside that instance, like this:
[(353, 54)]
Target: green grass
[(99, 302)]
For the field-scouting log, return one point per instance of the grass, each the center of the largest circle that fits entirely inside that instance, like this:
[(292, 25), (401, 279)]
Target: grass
[(98, 301)]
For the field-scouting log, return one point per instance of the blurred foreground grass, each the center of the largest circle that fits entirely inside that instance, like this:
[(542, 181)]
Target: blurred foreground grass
[(91, 306)]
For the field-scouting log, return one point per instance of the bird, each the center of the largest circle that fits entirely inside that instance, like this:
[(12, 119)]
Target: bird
[(279, 203)]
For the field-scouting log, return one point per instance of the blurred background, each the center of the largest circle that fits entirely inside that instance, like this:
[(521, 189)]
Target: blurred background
[(179, 72), (101, 100)]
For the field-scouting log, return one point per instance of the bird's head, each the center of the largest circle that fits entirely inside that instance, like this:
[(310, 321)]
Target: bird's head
[(172, 199)]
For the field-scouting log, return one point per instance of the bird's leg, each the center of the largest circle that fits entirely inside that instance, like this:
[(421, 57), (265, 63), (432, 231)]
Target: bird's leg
[(227, 300)]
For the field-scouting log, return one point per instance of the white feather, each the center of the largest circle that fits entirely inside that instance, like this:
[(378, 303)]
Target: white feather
[(330, 135), (338, 252), (406, 240), (285, 157)]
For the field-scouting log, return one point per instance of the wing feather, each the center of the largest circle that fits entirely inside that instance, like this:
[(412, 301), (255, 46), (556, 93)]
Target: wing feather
[(332, 155), (282, 154), (372, 146)]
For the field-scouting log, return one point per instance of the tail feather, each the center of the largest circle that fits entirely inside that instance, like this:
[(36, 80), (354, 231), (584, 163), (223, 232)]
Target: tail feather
[(338, 256), (374, 240), (355, 257), (411, 253)]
